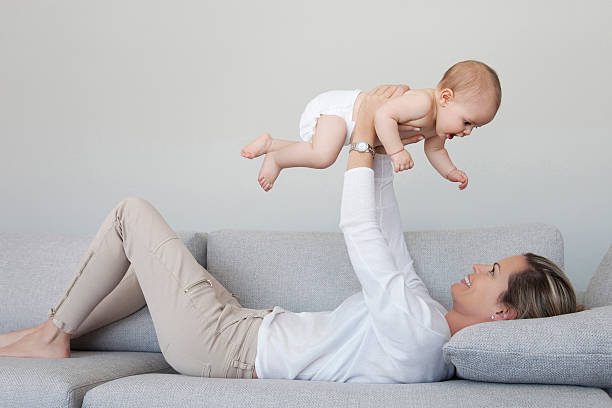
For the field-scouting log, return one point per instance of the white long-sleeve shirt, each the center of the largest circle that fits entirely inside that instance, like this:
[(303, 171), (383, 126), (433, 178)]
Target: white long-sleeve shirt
[(390, 332)]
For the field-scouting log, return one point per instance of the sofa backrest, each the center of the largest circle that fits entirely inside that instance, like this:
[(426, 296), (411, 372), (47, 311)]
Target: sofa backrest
[(300, 271), (599, 291), (311, 271), (35, 271)]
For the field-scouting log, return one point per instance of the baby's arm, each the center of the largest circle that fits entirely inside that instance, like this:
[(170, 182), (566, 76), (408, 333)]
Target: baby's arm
[(440, 160), (438, 156), (411, 106)]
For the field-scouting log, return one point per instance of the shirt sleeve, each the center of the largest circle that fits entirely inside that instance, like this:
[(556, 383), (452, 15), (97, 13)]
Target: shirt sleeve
[(389, 220), (394, 308)]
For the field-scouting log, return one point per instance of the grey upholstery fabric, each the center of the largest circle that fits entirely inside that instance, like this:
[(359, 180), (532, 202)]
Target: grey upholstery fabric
[(299, 271), (311, 271), (36, 269), (59, 383), (132, 333), (161, 390), (575, 349), (599, 291), (580, 294)]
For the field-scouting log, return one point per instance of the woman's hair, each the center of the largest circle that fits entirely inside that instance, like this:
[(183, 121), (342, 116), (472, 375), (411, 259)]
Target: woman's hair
[(541, 290), (470, 78)]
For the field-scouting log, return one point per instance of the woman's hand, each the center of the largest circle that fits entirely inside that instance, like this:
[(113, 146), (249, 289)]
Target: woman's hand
[(388, 91), (364, 125), (379, 95)]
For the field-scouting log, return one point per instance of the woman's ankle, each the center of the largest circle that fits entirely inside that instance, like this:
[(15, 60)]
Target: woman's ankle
[(50, 333)]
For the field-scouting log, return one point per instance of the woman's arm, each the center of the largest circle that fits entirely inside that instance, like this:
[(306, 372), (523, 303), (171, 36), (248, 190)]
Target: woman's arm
[(389, 220), (387, 210), (392, 305), (364, 127)]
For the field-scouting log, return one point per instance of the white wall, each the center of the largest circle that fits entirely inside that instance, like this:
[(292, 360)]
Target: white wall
[(100, 100)]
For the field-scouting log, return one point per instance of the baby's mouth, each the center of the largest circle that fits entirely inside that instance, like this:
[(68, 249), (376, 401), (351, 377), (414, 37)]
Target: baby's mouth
[(450, 136)]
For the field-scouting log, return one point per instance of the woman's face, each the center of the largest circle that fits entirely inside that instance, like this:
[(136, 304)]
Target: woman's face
[(478, 300)]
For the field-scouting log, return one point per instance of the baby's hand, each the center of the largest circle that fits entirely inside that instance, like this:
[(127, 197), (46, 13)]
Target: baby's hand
[(459, 177), (402, 160)]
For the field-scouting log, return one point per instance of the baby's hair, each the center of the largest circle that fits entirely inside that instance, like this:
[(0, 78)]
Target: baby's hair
[(474, 77)]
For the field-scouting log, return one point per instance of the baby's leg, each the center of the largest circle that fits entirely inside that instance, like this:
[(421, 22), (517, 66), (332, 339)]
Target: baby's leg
[(264, 144), (327, 142)]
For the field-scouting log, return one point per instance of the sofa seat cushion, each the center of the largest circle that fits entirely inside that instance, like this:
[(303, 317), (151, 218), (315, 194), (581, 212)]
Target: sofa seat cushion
[(59, 383), (175, 390)]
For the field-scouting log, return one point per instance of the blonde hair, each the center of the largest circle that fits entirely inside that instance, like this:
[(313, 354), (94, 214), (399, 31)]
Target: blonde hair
[(541, 290), (470, 78)]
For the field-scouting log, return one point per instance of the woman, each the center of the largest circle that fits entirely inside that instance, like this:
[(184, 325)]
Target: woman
[(390, 332)]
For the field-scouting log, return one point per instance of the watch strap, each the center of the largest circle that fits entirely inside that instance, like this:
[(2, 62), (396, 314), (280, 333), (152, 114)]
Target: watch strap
[(353, 146)]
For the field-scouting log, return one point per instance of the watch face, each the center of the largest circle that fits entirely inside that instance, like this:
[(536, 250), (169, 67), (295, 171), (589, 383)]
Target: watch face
[(362, 146)]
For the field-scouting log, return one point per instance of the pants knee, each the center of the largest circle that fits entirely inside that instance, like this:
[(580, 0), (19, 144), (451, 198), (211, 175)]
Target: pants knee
[(135, 203)]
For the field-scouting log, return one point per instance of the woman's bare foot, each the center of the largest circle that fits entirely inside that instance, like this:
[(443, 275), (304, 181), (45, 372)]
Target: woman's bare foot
[(257, 147), (10, 338), (46, 342), (269, 172)]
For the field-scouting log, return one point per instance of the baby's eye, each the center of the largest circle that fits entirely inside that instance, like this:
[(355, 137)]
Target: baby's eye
[(466, 123)]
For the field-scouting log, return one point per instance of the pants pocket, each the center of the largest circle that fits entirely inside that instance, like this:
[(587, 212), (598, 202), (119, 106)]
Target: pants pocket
[(231, 315), (241, 358)]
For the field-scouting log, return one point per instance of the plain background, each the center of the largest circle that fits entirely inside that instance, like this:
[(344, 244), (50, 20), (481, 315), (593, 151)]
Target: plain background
[(100, 100)]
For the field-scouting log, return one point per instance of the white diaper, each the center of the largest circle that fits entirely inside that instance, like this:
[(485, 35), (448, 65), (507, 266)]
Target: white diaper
[(338, 103)]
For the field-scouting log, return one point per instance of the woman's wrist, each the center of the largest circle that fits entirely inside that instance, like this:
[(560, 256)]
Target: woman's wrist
[(363, 132)]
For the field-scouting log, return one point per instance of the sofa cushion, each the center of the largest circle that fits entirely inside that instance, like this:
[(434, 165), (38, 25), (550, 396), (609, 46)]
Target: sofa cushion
[(311, 271), (574, 348), (169, 390), (43, 265), (599, 291), (59, 383)]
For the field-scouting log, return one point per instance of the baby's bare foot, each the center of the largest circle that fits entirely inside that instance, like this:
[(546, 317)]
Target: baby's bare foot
[(47, 342), (269, 172), (257, 147)]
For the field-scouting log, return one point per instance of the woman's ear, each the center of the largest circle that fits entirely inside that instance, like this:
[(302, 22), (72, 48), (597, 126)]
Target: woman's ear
[(507, 313)]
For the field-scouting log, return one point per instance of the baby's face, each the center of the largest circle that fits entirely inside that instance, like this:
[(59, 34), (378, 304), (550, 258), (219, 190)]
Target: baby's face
[(458, 117)]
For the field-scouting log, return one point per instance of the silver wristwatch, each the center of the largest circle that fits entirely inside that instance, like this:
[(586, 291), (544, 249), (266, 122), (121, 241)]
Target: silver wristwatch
[(362, 147)]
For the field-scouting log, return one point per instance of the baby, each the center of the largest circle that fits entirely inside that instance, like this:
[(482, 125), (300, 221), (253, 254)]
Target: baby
[(467, 97)]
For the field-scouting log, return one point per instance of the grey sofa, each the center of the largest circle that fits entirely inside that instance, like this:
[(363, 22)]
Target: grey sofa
[(120, 365)]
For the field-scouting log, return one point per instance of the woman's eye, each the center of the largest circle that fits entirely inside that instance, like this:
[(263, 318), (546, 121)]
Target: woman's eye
[(492, 271)]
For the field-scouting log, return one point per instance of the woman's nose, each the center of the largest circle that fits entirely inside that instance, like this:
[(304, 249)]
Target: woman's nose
[(479, 268)]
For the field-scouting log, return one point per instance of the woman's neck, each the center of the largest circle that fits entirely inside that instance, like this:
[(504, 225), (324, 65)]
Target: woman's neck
[(456, 321)]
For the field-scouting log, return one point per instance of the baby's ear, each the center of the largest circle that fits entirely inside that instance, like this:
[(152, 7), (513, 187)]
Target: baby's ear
[(446, 96)]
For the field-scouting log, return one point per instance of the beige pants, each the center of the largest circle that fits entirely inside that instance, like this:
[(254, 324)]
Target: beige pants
[(136, 257)]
